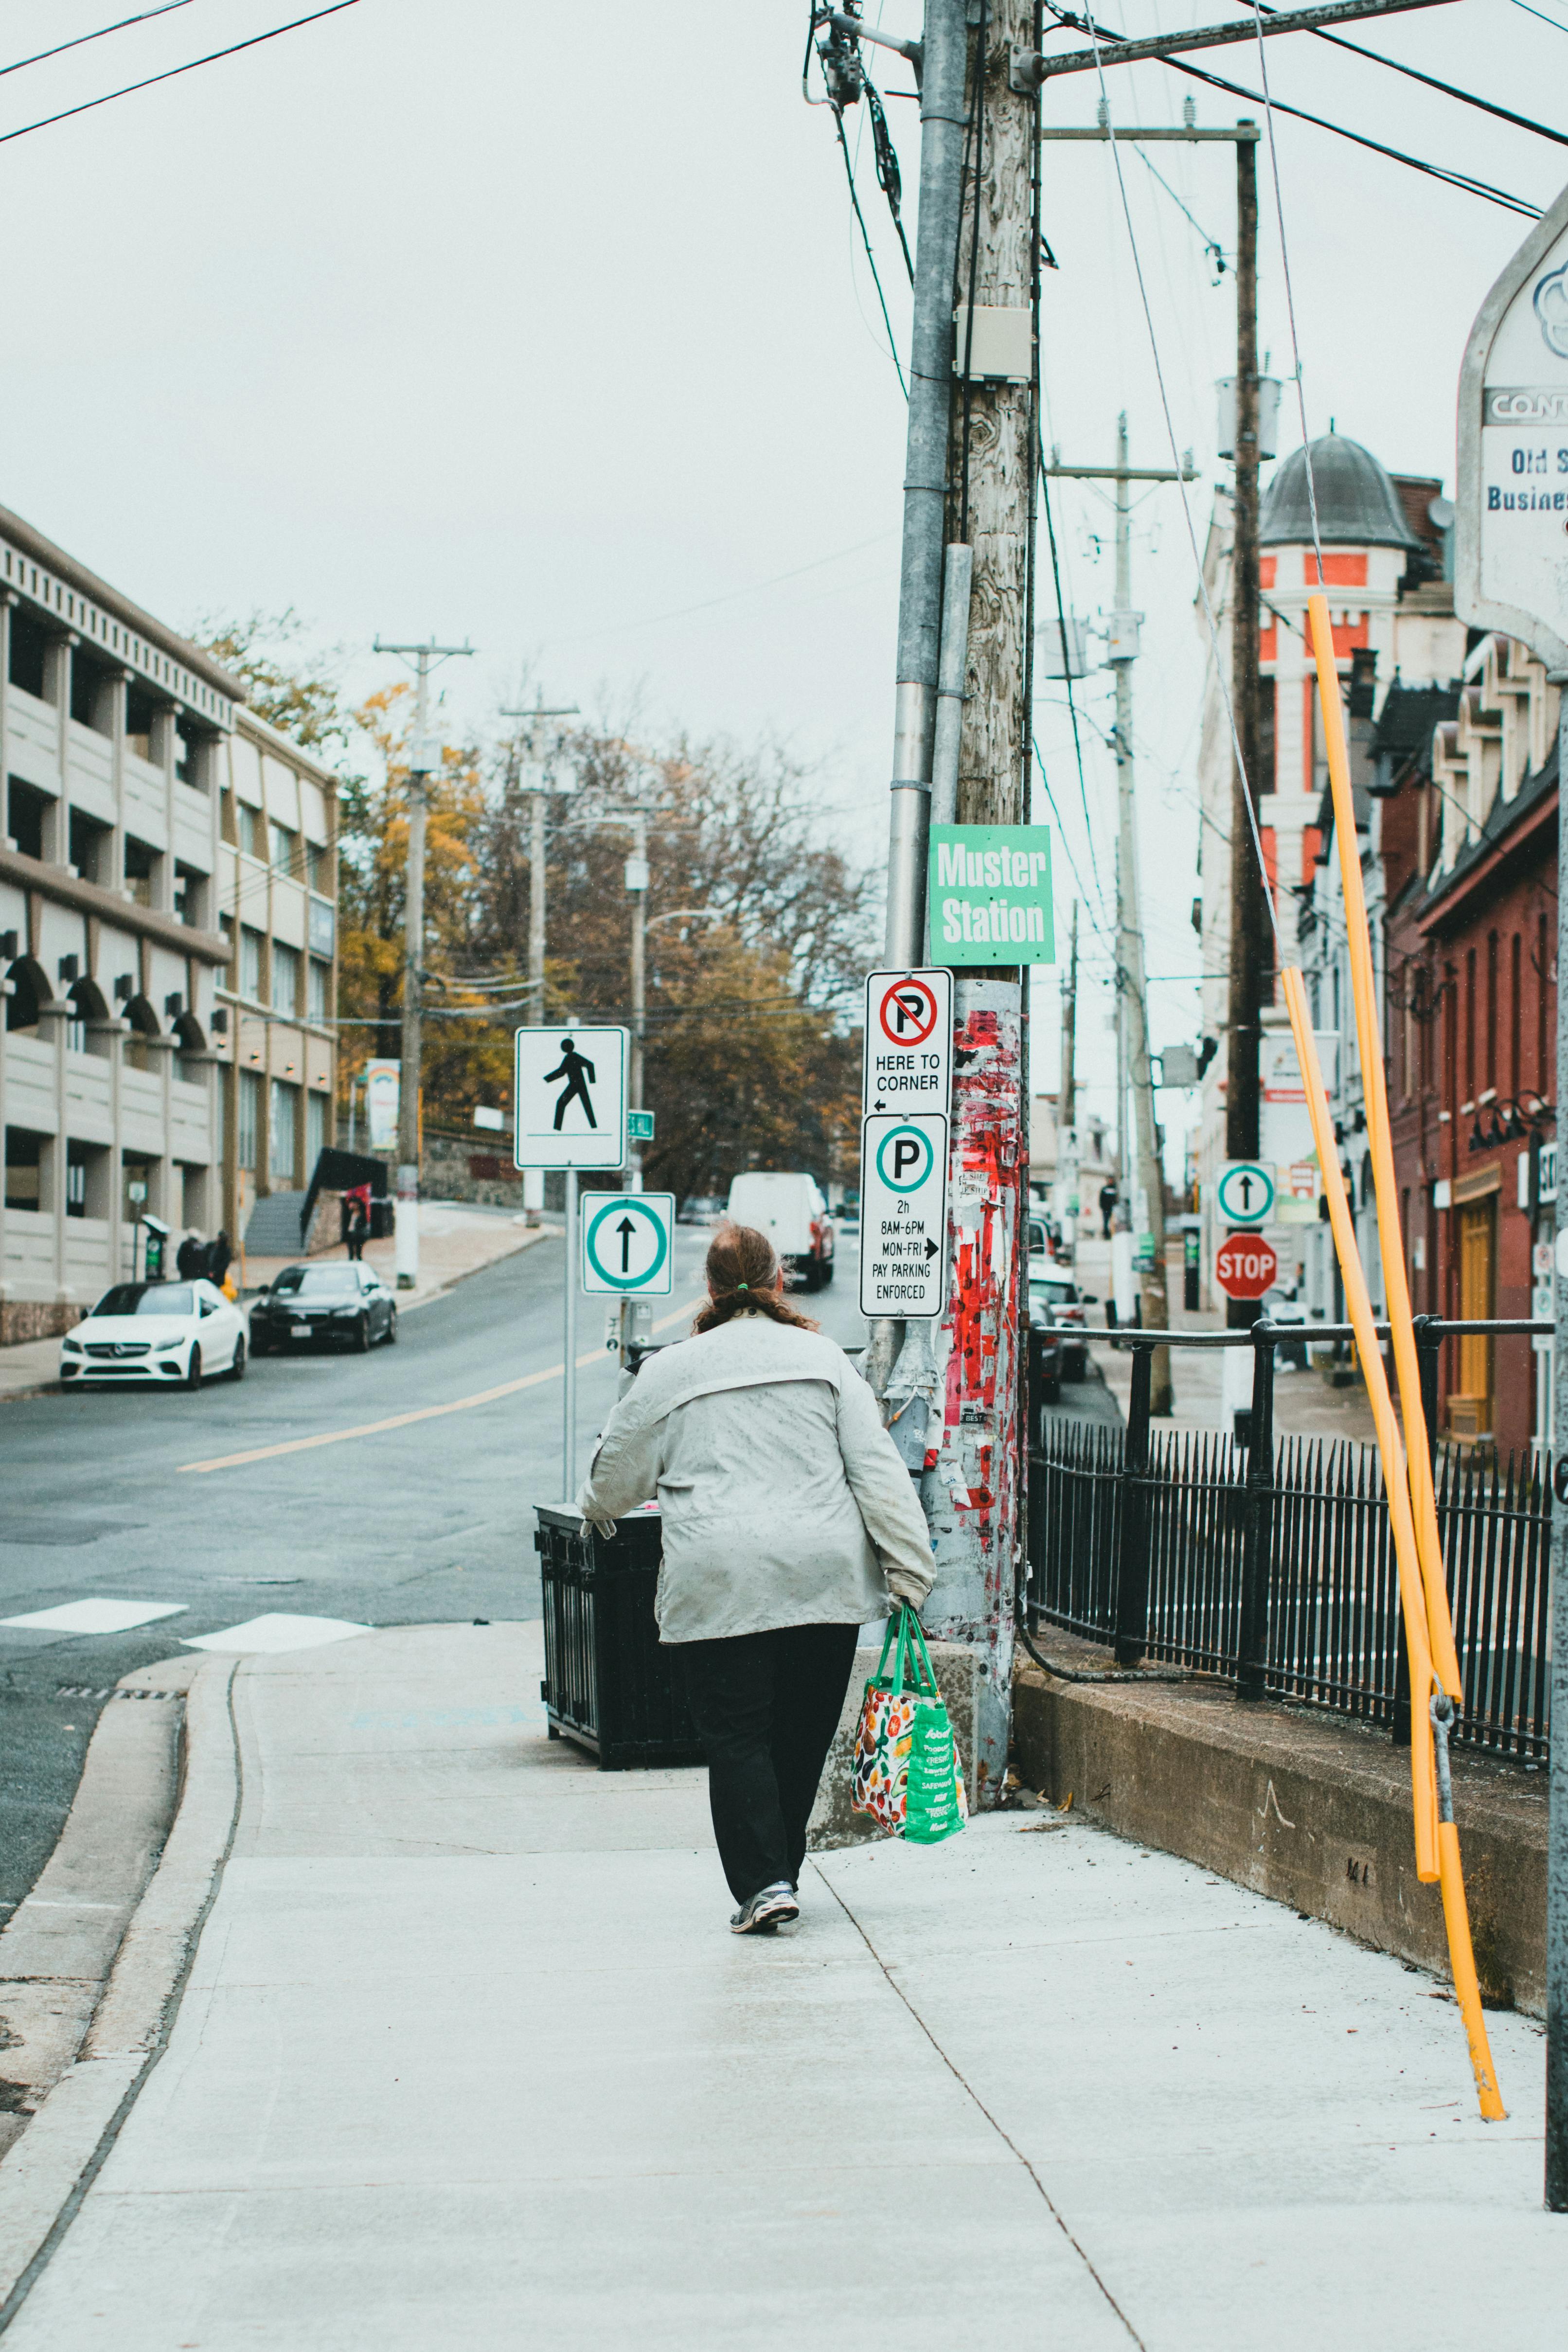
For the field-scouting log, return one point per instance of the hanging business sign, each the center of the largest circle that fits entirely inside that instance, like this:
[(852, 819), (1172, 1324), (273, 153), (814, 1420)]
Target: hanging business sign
[(571, 1098), (904, 1214), (383, 1087), (1510, 566), (908, 1041), (988, 894)]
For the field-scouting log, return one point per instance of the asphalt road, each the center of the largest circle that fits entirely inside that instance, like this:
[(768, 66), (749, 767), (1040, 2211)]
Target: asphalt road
[(427, 1522)]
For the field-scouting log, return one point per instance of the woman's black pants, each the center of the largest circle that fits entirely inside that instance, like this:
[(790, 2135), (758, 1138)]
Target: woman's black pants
[(766, 1706)]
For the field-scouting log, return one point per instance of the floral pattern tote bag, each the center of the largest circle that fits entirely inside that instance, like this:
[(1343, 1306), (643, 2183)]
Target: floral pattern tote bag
[(898, 1724)]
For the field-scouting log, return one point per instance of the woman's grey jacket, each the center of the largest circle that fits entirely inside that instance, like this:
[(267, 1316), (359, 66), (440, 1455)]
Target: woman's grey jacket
[(783, 1498)]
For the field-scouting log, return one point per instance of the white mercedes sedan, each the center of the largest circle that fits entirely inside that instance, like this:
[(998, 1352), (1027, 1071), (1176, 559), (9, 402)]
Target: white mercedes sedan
[(170, 1334)]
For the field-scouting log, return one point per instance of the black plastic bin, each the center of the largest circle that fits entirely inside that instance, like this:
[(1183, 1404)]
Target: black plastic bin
[(607, 1683)]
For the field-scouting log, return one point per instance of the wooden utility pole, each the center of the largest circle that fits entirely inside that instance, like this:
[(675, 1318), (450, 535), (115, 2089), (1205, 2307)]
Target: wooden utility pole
[(972, 1497), (1251, 960), (424, 761)]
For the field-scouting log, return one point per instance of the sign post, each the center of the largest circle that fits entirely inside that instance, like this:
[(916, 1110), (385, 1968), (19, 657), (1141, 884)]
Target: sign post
[(569, 1101), (1511, 574)]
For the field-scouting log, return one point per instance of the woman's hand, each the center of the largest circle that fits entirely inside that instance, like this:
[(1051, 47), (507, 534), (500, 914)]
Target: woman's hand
[(905, 1587)]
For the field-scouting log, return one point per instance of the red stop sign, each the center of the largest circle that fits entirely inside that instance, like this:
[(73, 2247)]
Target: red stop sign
[(1245, 1266)]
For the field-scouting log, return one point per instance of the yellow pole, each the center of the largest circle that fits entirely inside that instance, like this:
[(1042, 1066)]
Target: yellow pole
[(1423, 1787), (1439, 1625), (1442, 1656)]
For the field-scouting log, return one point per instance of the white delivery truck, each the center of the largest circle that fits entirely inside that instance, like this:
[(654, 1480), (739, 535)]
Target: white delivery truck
[(791, 1210)]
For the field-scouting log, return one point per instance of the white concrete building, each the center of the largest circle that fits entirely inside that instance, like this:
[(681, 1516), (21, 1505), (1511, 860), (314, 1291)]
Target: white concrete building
[(278, 891), (112, 730)]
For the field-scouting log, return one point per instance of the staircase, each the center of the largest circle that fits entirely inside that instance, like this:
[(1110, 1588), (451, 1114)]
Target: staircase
[(274, 1227)]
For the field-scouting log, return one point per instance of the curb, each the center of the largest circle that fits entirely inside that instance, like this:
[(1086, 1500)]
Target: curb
[(46, 2176)]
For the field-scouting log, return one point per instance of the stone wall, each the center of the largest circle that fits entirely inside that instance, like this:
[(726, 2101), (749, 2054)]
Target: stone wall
[(35, 1318), (476, 1167)]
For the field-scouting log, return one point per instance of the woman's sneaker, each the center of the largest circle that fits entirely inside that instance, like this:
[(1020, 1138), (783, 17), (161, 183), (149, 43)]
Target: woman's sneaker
[(772, 1907)]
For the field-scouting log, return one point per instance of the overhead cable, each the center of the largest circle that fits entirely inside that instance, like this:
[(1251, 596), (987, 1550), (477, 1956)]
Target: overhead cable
[(174, 72), (1465, 97), (81, 39)]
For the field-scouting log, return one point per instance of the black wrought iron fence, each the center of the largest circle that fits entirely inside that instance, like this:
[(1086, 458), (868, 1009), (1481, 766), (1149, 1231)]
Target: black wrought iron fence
[(1272, 1562)]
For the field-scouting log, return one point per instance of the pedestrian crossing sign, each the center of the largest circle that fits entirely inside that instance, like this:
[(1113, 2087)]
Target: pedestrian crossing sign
[(569, 1097)]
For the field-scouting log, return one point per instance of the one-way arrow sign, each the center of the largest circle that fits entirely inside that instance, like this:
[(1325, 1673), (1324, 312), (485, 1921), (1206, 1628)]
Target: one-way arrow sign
[(628, 1243)]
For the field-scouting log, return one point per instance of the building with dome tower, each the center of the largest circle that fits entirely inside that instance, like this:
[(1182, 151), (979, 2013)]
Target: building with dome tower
[(1385, 541)]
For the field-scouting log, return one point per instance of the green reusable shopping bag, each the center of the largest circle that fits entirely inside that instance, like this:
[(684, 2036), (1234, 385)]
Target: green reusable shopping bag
[(935, 1807)]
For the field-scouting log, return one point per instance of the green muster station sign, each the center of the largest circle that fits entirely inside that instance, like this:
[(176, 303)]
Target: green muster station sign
[(989, 894)]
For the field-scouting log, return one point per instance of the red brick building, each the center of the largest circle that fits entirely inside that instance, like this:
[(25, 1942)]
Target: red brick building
[(1468, 838)]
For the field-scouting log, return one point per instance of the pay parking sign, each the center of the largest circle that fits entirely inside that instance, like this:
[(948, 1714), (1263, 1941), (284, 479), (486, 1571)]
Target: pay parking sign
[(627, 1243), (904, 1214)]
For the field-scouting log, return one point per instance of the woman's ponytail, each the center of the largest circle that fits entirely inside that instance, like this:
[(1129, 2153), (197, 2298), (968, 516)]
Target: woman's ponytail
[(744, 1279)]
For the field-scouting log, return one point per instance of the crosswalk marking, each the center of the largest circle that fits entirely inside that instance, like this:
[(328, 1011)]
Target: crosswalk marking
[(96, 1616)]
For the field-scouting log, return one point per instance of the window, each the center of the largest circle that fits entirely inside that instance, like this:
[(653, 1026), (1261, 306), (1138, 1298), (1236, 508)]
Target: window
[(26, 810), (29, 656), (1491, 1008), (1515, 992), (320, 981), (192, 1194), (249, 1120), (191, 754), (250, 829), (249, 964), (140, 712), (140, 858), (284, 848), (285, 978), (315, 1128), (320, 869), (190, 896), (324, 926), (92, 694), (87, 1179), (23, 1168), (91, 844), (227, 823), (22, 1005), (285, 1106)]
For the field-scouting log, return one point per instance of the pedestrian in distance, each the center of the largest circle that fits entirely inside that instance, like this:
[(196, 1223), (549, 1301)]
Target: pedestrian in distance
[(191, 1259), (356, 1224), (789, 1520), (219, 1257), (1107, 1209)]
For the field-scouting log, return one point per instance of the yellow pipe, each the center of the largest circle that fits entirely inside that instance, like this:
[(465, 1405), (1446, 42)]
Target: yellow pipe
[(1462, 1959), (1423, 1786), (1439, 1625)]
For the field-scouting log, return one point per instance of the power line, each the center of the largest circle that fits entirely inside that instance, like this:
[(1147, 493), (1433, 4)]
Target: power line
[(1465, 97), (174, 72), (866, 241), (1536, 12), (82, 39), (1211, 243), (1067, 666)]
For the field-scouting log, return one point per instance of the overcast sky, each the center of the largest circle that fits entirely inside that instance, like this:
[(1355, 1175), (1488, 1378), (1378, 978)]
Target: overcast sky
[(548, 326)]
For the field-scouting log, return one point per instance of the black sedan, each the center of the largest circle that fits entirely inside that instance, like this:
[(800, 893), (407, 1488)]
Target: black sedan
[(309, 1304)]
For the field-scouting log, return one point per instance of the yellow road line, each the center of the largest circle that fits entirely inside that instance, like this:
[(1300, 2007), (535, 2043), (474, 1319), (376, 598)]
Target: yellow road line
[(424, 1413)]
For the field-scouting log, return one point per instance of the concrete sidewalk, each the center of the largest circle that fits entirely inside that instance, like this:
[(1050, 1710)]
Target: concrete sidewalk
[(467, 2057)]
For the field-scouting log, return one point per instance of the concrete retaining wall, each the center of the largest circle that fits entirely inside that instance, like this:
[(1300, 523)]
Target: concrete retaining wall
[(1308, 1810)]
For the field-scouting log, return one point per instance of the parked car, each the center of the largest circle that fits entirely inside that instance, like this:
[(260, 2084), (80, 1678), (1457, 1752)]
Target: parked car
[(349, 1304), (1044, 1359), (1050, 1286), (700, 1209), (789, 1207), (168, 1334)]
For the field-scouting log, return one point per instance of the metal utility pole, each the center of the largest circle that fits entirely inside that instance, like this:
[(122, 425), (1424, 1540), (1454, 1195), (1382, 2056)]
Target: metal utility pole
[(538, 787), (424, 761), (1148, 1202), (636, 879), (1067, 1104), (1251, 958)]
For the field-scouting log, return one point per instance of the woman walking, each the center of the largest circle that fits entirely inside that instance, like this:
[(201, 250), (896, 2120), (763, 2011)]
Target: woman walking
[(788, 1520)]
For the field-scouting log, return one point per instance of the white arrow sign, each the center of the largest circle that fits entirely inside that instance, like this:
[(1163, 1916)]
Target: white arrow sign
[(904, 1214), (571, 1098), (908, 1041), (628, 1243)]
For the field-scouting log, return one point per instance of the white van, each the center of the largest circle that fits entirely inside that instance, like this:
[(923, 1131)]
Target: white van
[(791, 1210)]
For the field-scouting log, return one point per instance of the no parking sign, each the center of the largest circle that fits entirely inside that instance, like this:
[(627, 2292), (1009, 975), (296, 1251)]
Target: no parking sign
[(908, 1041)]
